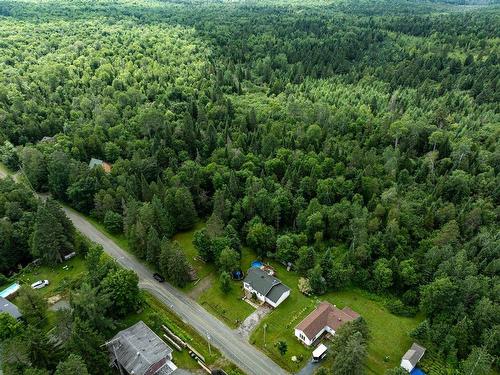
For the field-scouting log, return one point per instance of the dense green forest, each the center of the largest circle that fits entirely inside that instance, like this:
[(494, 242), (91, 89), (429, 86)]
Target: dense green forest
[(357, 140)]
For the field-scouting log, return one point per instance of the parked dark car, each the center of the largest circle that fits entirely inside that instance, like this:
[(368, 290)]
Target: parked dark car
[(159, 277)]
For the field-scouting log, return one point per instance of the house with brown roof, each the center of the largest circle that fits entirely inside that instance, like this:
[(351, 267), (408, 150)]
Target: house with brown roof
[(325, 318)]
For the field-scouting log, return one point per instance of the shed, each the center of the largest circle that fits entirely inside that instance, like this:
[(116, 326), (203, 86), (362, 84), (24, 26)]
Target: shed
[(97, 162), (412, 357)]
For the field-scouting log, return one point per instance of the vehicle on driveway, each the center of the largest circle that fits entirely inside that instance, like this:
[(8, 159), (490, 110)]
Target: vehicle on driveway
[(158, 277), (319, 353), (40, 284)]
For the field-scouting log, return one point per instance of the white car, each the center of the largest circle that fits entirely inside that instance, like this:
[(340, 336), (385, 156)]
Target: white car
[(40, 284)]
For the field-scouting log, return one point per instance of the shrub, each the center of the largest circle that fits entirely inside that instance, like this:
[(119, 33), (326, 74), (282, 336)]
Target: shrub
[(113, 222), (396, 307)]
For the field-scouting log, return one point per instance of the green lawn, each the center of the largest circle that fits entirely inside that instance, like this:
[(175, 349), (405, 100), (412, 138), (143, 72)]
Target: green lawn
[(60, 279), (229, 307), (185, 239), (181, 359), (389, 333)]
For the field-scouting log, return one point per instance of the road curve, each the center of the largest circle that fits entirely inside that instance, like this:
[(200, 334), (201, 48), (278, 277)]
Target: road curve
[(234, 348)]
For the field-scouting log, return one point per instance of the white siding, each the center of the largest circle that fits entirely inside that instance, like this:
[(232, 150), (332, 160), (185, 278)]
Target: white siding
[(302, 337), (283, 297), (406, 365)]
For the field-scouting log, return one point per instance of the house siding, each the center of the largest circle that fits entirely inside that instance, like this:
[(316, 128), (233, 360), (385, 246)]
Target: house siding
[(407, 365), (302, 337), (263, 298)]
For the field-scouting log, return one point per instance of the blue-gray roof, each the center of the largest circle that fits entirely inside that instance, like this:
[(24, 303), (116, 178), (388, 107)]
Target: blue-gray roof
[(9, 308), (265, 284)]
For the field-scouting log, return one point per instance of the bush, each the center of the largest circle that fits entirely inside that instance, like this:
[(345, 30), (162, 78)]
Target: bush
[(396, 307), (3, 279), (113, 222)]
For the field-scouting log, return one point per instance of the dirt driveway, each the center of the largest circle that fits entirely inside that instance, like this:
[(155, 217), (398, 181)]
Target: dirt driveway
[(202, 285)]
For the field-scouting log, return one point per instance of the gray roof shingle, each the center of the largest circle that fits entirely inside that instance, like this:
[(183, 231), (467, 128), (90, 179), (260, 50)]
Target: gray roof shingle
[(265, 284), (10, 308), (414, 354), (140, 351)]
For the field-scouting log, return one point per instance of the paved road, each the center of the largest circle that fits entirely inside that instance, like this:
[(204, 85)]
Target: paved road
[(234, 348), (309, 368)]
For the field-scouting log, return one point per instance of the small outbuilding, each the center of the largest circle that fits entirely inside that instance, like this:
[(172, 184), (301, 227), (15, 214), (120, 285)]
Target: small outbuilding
[(9, 308), (265, 287), (99, 163), (137, 350), (412, 357)]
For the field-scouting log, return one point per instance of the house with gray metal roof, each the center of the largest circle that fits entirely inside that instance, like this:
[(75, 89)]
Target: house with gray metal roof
[(9, 308), (412, 357), (137, 350), (265, 287)]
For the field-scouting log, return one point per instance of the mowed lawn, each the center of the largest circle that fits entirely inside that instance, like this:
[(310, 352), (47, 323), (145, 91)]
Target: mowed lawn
[(229, 307), (185, 239), (389, 333), (60, 276)]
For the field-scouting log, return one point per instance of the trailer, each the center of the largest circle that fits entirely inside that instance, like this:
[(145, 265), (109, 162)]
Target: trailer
[(319, 353)]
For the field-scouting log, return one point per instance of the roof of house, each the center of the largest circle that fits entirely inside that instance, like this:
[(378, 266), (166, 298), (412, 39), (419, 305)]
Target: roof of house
[(326, 315), (265, 284), (414, 354), (98, 162), (140, 351), (10, 308)]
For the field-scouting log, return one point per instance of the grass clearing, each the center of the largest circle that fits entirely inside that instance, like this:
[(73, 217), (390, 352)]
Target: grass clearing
[(230, 307), (4, 169), (185, 239), (60, 279), (389, 333)]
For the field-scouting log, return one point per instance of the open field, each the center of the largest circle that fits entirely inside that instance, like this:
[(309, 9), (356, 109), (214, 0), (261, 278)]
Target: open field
[(60, 279), (229, 307), (389, 333), (185, 239)]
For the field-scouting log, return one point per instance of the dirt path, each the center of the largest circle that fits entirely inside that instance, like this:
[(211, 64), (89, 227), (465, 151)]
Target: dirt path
[(202, 285)]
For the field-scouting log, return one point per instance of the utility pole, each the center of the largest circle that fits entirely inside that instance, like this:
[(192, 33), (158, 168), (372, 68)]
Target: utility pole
[(265, 328), (208, 341)]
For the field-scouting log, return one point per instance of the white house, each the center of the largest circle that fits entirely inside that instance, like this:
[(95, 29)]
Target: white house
[(412, 356), (325, 318), (265, 287)]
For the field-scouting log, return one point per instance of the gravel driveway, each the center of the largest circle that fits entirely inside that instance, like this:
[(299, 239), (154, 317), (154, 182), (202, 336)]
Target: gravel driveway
[(251, 322)]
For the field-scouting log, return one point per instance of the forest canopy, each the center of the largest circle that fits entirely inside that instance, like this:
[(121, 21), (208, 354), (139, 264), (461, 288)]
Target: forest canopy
[(357, 140)]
